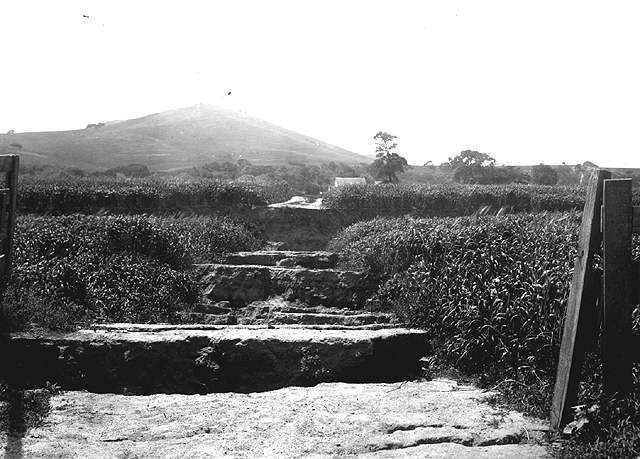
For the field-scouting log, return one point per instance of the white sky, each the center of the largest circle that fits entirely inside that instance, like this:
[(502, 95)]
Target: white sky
[(528, 82)]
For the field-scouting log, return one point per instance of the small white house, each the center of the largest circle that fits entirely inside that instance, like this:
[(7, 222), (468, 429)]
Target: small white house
[(341, 181)]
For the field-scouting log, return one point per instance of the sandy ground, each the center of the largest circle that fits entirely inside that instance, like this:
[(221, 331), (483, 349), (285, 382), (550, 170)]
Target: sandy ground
[(427, 419)]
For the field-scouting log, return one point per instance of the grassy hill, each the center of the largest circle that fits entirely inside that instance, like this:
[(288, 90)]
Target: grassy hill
[(174, 139)]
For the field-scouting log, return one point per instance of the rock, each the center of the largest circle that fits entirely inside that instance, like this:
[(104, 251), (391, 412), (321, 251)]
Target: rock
[(312, 260), (422, 419), (207, 319), (244, 284), (239, 285), (176, 359), (327, 319)]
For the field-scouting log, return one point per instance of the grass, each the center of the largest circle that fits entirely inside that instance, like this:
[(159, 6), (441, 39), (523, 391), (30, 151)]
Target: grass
[(458, 200), (492, 292), (72, 270), (143, 195), (490, 289), (455, 200), (21, 410)]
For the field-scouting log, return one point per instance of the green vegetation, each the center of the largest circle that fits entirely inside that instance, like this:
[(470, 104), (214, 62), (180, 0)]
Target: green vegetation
[(89, 195), (490, 289), (544, 175), (473, 167), (75, 269), (455, 200), (487, 273), (304, 179), (492, 292), (388, 163)]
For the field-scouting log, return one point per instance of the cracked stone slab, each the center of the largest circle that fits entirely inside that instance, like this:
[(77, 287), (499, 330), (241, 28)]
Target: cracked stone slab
[(425, 419), (147, 359), (240, 285)]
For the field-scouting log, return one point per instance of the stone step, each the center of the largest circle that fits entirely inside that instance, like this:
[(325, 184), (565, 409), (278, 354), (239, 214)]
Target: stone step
[(244, 284), (289, 259), (146, 359), (207, 319), (346, 319), (327, 319), (277, 311)]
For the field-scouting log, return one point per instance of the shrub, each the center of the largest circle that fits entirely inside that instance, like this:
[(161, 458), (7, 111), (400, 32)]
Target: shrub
[(75, 269), (208, 239), (491, 290)]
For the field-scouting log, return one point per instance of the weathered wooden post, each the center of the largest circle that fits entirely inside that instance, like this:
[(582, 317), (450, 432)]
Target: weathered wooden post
[(617, 221), (9, 165), (582, 301)]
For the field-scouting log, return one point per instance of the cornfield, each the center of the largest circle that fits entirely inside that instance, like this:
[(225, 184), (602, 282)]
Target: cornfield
[(491, 289), (456, 200), (89, 195)]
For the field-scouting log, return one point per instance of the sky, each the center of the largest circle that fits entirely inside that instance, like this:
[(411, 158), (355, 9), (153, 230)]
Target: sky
[(527, 82)]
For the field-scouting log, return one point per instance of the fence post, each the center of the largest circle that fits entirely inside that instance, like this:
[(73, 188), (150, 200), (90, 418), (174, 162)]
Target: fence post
[(616, 232), (581, 303)]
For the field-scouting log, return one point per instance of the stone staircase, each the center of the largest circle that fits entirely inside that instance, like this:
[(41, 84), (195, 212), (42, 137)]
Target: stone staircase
[(267, 320), (283, 288)]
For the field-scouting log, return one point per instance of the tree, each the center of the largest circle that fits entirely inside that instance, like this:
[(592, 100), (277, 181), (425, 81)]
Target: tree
[(388, 163), (473, 167), (544, 175)]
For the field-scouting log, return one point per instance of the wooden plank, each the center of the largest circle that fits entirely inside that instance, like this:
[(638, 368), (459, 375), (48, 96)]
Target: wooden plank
[(635, 348), (11, 182), (582, 299), (635, 282), (636, 219), (617, 223), (7, 163), (4, 199)]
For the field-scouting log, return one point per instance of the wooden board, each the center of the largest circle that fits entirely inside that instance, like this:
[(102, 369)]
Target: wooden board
[(11, 182), (582, 301), (616, 232)]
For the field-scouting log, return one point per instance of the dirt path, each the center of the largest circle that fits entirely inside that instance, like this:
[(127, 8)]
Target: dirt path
[(335, 420)]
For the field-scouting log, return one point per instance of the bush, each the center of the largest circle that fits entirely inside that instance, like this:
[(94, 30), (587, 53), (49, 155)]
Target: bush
[(75, 269), (208, 239), (491, 290)]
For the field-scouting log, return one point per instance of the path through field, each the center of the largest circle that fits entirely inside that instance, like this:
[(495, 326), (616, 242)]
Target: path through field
[(279, 361)]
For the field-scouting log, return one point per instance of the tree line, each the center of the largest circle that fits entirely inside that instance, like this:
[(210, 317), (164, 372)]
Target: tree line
[(468, 167)]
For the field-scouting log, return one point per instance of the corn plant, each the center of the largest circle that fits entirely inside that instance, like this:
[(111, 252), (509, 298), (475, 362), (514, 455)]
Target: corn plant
[(454, 200), (154, 194)]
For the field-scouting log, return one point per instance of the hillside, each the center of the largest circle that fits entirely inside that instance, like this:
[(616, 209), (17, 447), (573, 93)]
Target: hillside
[(174, 139)]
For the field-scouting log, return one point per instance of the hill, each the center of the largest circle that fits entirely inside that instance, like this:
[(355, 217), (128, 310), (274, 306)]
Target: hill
[(175, 139)]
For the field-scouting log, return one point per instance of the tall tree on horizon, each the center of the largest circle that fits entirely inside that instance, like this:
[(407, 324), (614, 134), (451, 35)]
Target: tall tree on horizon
[(388, 163)]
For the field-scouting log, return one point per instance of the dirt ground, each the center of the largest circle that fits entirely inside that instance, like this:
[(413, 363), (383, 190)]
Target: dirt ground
[(425, 419)]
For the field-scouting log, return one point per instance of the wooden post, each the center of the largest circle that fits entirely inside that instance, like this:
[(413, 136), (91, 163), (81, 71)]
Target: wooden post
[(582, 301), (616, 231), (9, 165)]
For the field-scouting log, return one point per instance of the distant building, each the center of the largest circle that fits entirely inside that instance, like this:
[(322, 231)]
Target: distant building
[(341, 181)]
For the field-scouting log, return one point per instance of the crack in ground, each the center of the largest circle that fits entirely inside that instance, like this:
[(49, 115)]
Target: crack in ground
[(409, 427), (469, 441)]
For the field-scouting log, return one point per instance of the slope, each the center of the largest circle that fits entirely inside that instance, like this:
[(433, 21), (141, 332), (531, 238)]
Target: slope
[(175, 139)]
